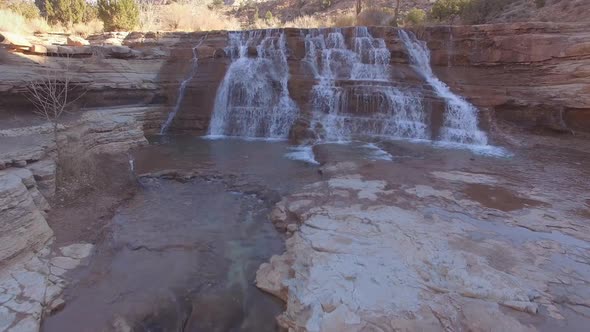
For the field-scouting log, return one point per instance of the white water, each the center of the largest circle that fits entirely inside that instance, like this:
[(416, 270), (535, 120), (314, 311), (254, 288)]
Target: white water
[(354, 95), (376, 153), (183, 85), (302, 153), (460, 118), (253, 99)]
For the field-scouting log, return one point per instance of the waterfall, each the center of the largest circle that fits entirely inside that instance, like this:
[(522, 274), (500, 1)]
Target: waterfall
[(460, 118), (253, 99), (354, 95), (183, 85)]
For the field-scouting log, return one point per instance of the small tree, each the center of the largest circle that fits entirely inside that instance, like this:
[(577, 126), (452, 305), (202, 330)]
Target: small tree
[(53, 94), (118, 14), (65, 12), (26, 9), (443, 10), (268, 16), (415, 16)]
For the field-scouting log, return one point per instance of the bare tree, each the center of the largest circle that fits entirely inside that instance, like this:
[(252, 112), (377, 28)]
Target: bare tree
[(53, 94), (359, 7), (396, 14)]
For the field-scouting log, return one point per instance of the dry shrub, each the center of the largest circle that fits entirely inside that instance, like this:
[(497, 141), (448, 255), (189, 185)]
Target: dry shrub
[(267, 23), (194, 16), (344, 20), (39, 25), (149, 16), (13, 22), (307, 22), (86, 29), (374, 16)]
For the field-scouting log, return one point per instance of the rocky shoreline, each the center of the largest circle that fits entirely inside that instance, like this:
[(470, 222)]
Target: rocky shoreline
[(438, 249), (438, 239)]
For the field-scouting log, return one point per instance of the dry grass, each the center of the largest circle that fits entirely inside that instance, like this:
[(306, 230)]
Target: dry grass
[(86, 29), (185, 16), (16, 23), (344, 20), (13, 22), (307, 22), (375, 16)]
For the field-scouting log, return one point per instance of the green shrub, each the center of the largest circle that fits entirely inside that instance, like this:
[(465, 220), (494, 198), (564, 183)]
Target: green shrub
[(443, 10), (118, 14), (415, 16), (325, 4), (268, 16), (65, 12), (91, 13), (26, 9), (540, 3)]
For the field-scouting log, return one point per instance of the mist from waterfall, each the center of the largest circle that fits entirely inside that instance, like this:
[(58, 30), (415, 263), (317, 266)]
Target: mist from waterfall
[(183, 85), (460, 118), (253, 99), (354, 95)]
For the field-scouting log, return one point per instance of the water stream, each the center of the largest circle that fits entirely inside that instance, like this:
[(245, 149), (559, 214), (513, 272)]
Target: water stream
[(354, 95), (460, 119), (183, 85), (253, 99)]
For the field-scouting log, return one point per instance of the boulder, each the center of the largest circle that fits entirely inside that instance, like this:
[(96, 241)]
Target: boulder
[(22, 225), (44, 172), (77, 51), (77, 41), (122, 52), (38, 49), (13, 40), (112, 41)]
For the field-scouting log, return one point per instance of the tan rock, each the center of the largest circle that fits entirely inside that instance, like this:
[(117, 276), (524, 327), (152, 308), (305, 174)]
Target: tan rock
[(13, 40), (22, 226), (76, 41), (38, 49)]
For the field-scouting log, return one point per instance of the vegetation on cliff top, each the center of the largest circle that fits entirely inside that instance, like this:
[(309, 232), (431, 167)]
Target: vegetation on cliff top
[(86, 17)]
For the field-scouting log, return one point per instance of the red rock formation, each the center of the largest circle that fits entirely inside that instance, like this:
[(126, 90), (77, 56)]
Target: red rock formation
[(535, 75)]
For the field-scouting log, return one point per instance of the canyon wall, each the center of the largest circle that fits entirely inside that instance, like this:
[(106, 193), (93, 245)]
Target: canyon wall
[(534, 75)]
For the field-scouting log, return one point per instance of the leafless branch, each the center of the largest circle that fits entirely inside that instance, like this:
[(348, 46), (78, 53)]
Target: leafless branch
[(54, 93)]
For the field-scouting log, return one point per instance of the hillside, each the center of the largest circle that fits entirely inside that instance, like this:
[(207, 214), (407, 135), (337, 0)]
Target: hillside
[(494, 11)]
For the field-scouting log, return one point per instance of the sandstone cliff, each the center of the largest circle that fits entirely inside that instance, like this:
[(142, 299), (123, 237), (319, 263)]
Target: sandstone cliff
[(534, 75)]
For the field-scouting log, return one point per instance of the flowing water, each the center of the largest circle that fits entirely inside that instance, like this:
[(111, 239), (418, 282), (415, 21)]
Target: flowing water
[(253, 99), (183, 85), (460, 119), (354, 95), (182, 254)]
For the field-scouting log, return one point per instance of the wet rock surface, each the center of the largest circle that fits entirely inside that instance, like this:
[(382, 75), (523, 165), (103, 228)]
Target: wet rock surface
[(446, 241)]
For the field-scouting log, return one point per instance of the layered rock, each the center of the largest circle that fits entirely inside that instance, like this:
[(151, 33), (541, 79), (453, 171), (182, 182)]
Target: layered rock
[(531, 74), (370, 251), (22, 225)]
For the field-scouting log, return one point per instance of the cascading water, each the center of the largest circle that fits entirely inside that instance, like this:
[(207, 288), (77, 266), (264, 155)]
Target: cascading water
[(460, 119), (183, 85), (253, 99), (354, 95)]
